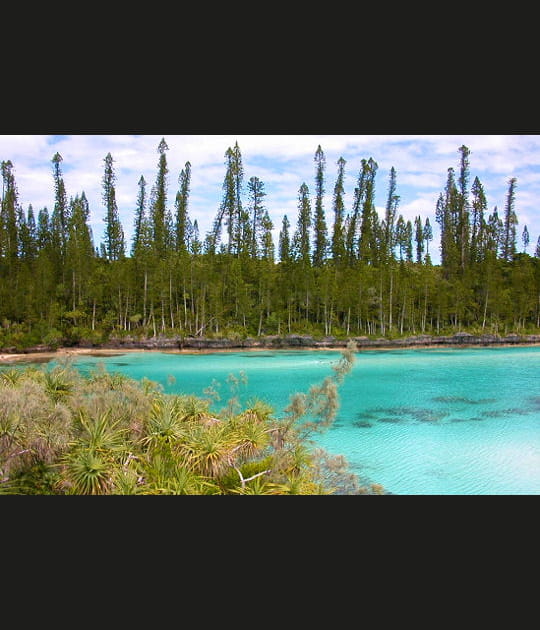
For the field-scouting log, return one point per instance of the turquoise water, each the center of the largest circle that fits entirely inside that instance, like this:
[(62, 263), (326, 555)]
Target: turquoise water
[(422, 421)]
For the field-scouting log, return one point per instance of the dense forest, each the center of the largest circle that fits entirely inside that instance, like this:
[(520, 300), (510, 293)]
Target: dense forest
[(334, 271)]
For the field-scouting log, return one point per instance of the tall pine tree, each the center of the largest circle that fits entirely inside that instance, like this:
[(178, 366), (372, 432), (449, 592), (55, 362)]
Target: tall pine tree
[(509, 223), (320, 237), (338, 233), (114, 234), (158, 205), (301, 244)]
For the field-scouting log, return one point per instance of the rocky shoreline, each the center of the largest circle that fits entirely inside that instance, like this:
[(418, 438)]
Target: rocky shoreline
[(292, 341)]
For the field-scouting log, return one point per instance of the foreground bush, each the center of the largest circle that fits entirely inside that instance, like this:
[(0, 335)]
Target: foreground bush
[(62, 433)]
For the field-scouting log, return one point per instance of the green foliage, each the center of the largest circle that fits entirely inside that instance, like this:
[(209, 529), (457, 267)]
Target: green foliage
[(62, 433), (373, 278)]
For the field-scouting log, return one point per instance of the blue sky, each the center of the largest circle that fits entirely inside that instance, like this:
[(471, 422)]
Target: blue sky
[(283, 163)]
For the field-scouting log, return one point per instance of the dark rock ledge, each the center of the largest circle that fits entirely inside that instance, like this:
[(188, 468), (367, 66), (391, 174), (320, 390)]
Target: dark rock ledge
[(307, 341)]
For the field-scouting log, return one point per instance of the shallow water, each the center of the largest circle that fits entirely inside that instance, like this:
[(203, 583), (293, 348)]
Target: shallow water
[(421, 421)]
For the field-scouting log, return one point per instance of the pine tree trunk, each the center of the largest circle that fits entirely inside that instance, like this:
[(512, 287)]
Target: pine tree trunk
[(381, 311), (162, 314), (185, 306), (390, 301), (144, 296), (171, 301), (485, 310), (73, 289)]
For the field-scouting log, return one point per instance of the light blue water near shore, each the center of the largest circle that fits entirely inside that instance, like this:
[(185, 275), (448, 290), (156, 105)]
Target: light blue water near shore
[(422, 421)]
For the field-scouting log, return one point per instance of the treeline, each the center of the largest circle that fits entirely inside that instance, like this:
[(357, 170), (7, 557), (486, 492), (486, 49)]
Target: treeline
[(358, 274)]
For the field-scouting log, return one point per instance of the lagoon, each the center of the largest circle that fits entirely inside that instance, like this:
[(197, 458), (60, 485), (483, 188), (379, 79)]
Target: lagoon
[(445, 421)]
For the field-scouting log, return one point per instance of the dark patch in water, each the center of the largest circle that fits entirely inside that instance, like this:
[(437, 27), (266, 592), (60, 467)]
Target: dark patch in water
[(390, 420), (462, 399), (417, 413), (366, 416), (473, 419), (501, 413), (120, 364), (361, 424), (389, 411), (427, 415)]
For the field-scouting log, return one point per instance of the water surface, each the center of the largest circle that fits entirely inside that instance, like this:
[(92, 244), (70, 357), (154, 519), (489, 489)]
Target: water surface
[(420, 421)]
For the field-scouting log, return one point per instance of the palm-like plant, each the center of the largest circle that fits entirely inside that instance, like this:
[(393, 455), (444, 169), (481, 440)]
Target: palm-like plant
[(260, 486), (164, 424), (126, 479), (50, 432), (10, 376), (86, 472), (164, 471), (193, 409), (257, 410), (210, 449), (58, 383), (100, 434), (13, 443), (301, 484), (253, 437), (108, 380)]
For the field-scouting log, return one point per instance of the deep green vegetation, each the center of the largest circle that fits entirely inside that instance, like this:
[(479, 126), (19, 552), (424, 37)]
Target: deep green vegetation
[(357, 274), (62, 433)]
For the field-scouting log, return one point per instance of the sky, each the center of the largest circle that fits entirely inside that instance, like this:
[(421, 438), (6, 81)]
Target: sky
[(283, 163)]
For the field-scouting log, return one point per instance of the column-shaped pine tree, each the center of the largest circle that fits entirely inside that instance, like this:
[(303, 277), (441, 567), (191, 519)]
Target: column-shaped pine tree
[(80, 252), (230, 210), (114, 234), (509, 223), (266, 241), (158, 205), (28, 247), (256, 194), (446, 214), (419, 238), (301, 244), (140, 216), (183, 227), (60, 214), (8, 217), (525, 239), (392, 202), (240, 216), (367, 246), (463, 227), (284, 241), (478, 222), (494, 234), (428, 236), (320, 236), (355, 219), (338, 232)]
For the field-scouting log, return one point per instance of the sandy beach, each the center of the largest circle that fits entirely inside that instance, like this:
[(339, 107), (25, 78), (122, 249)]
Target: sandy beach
[(64, 353)]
